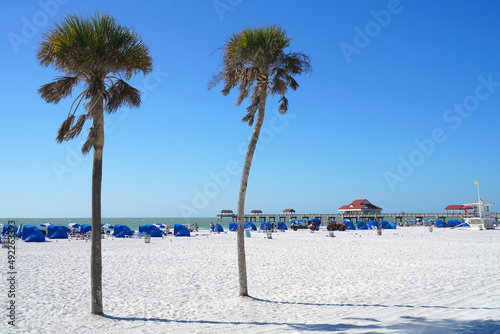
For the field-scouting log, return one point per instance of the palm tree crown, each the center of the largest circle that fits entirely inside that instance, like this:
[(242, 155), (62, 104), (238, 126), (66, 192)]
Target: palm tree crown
[(99, 53), (255, 59)]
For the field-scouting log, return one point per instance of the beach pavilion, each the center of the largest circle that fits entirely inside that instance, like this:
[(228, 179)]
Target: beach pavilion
[(360, 206)]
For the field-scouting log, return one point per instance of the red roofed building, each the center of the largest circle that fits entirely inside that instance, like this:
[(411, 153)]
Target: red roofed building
[(360, 206), (226, 211), (256, 211), (289, 211)]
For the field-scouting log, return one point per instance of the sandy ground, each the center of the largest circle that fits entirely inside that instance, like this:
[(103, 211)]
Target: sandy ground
[(408, 280)]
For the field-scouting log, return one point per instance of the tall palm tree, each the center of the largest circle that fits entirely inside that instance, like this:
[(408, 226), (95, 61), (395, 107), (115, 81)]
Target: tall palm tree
[(99, 55), (255, 60)]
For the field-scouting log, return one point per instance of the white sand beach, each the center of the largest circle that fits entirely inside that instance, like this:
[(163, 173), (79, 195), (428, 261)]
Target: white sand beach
[(408, 280)]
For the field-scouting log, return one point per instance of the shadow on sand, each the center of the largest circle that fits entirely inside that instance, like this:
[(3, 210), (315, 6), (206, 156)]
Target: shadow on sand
[(406, 324)]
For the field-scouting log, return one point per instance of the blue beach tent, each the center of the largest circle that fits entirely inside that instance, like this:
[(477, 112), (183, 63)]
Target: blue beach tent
[(387, 226), (372, 225), (32, 234), (362, 225), (141, 229), (121, 231), (233, 226), (251, 226), (439, 223), (282, 226), (316, 222), (182, 231), (58, 232), (85, 228), (153, 230), (349, 225), (266, 225), (217, 228)]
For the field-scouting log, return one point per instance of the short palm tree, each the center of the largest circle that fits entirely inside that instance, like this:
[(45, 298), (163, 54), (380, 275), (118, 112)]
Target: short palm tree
[(255, 60), (99, 55)]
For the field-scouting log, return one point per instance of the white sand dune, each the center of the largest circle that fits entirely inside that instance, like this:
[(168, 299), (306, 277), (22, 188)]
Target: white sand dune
[(408, 280)]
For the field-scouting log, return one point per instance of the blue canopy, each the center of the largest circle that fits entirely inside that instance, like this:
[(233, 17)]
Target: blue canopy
[(361, 225), (217, 228), (372, 225), (85, 228), (153, 230), (439, 223), (182, 231), (453, 223), (387, 226), (250, 225), (58, 232), (349, 225), (121, 231), (233, 226), (282, 226), (32, 234), (266, 226)]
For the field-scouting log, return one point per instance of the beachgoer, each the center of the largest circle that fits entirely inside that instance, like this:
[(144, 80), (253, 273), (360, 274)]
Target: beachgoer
[(196, 227)]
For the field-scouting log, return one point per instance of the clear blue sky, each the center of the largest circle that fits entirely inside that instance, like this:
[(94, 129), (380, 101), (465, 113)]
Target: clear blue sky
[(402, 109)]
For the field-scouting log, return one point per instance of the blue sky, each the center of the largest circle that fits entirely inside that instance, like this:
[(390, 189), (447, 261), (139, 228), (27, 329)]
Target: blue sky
[(402, 109)]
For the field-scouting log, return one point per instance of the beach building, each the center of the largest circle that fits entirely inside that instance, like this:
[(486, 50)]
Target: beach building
[(289, 211), (474, 206), (256, 212), (485, 204), (360, 206)]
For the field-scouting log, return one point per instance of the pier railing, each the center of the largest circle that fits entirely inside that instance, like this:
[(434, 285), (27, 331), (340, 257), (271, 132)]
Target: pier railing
[(286, 216)]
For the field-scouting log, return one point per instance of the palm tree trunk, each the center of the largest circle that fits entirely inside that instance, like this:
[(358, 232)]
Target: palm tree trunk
[(240, 238), (95, 253)]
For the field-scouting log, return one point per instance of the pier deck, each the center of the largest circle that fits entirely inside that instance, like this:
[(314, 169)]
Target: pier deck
[(396, 217)]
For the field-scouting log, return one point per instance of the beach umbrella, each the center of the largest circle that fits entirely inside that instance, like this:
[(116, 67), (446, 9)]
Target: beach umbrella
[(160, 225), (75, 225), (106, 225), (45, 224)]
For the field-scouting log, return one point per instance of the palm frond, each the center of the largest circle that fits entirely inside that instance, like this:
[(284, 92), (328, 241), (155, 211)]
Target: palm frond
[(77, 128), (63, 130), (120, 94), (55, 91), (89, 144)]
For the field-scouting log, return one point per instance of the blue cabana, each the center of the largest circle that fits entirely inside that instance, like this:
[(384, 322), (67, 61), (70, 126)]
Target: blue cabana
[(266, 226), (58, 232), (372, 225), (440, 223), (361, 225), (141, 229), (182, 231), (233, 226), (153, 230), (249, 225), (316, 222), (32, 234), (121, 231), (349, 225), (282, 226), (85, 228), (217, 228), (453, 223), (386, 225)]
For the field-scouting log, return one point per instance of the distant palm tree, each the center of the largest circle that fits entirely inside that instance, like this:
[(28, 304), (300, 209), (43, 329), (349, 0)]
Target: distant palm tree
[(255, 60), (101, 56)]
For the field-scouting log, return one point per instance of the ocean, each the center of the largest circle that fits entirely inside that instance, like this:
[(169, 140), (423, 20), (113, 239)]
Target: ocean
[(132, 223)]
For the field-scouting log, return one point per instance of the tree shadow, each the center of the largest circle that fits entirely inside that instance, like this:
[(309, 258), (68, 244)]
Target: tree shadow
[(375, 305), (406, 324)]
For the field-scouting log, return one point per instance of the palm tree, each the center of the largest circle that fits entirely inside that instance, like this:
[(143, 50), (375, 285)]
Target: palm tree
[(255, 60), (101, 56)]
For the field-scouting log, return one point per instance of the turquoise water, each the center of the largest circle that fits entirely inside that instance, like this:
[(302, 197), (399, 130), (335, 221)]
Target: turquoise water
[(133, 223)]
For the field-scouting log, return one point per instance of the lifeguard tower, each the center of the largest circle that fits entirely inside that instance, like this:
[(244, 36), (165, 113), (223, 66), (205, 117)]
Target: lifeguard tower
[(480, 219)]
